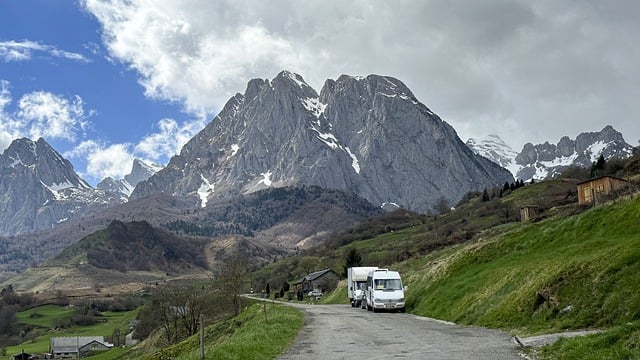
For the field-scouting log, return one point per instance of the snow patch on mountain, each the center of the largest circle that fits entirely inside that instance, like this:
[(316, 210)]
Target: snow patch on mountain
[(314, 106), (234, 149), (204, 190), (266, 178), (495, 149), (354, 160)]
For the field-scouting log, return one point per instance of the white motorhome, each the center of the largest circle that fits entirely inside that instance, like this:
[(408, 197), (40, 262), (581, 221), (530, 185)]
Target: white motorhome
[(357, 282), (384, 291)]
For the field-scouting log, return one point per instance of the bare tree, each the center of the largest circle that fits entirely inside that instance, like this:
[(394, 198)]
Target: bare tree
[(232, 275)]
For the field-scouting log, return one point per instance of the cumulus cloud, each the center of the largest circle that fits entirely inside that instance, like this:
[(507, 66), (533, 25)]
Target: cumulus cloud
[(55, 117), (52, 116), (103, 160), (168, 140), (41, 114), (525, 70), (23, 50)]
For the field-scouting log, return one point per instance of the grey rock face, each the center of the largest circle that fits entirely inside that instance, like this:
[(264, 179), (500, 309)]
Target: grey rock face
[(546, 160), (39, 188), (367, 135)]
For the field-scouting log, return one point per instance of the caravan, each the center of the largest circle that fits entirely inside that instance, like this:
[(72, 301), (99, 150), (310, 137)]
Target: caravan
[(384, 291), (356, 283)]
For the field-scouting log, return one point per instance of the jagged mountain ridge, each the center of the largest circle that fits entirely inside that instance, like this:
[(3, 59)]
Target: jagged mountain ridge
[(39, 189), (544, 161), (140, 171), (367, 135)]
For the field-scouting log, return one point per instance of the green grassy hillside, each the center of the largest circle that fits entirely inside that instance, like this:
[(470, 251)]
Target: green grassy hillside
[(576, 272)]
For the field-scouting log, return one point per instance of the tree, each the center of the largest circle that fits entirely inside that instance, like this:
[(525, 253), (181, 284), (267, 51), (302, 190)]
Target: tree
[(235, 267), (285, 286), (353, 259), (485, 195), (309, 263), (598, 167), (176, 309), (442, 206)]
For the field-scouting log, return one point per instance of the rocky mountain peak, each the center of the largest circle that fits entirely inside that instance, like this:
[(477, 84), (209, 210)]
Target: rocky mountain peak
[(367, 135), (39, 158), (39, 188)]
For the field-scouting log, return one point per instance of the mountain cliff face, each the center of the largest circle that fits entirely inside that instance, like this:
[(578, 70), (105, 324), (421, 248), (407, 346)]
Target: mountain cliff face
[(39, 188), (544, 161), (367, 135)]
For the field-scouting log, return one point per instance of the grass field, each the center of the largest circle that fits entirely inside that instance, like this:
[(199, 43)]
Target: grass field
[(105, 326), (579, 272), (251, 335)]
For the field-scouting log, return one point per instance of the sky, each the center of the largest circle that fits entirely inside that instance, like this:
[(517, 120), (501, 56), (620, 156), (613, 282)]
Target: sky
[(107, 81)]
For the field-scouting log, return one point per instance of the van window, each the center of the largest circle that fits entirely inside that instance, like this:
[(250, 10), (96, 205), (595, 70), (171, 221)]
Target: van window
[(388, 284)]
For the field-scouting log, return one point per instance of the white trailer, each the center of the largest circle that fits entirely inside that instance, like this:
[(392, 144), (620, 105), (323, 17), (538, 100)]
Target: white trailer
[(384, 291), (356, 283)]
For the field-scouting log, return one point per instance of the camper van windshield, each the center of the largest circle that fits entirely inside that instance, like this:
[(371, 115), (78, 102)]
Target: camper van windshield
[(388, 284)]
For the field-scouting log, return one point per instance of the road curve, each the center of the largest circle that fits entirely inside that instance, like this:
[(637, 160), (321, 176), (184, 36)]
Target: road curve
[(343, 332)]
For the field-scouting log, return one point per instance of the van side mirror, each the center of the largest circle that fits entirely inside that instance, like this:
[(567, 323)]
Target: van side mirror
[(405, 288)]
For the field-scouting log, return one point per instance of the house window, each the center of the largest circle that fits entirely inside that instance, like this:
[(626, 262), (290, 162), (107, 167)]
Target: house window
[(600, 188)]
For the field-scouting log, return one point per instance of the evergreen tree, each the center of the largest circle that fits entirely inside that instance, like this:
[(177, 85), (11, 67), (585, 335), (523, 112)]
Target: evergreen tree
[(353, 259), (598, 167), (485, 196), (506, 186)]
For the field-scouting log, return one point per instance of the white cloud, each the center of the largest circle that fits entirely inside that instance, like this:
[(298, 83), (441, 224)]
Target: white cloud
[(52, 116), (184, 51), (115, 160), (525, 70), (168, 140), (23, 50), (41, 114), (103, 160)]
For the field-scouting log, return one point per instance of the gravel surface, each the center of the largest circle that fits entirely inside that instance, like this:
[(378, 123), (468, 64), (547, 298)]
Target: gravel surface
[(343, 332)]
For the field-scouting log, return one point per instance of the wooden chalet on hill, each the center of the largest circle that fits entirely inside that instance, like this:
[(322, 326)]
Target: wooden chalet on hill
[(593, 190)]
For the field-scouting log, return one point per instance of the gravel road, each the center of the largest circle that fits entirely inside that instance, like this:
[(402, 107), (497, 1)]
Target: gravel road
[(343, 332)]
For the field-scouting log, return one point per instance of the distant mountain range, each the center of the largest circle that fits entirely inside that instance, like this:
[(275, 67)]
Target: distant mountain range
[(281, 167), (544, 161)]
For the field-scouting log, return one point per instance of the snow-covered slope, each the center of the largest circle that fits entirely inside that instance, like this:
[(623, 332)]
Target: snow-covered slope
[(495, 149), (544, 161)]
